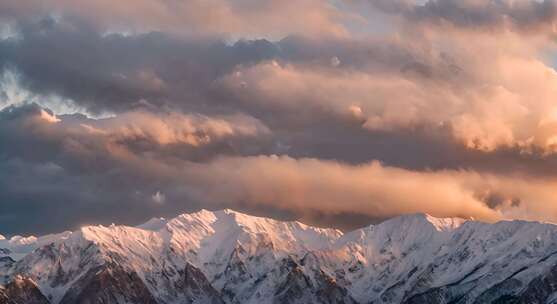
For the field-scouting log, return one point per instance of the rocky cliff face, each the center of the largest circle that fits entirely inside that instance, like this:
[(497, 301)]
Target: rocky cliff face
[(229, 257)]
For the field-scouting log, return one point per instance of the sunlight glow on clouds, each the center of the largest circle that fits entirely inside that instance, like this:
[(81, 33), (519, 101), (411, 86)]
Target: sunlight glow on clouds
[(341, 108)]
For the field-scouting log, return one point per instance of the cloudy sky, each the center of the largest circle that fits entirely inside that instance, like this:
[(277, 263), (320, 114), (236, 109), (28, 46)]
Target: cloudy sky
[(338, 113)]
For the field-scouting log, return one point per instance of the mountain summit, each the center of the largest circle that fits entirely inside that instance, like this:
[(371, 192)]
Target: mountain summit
[(230, 257)]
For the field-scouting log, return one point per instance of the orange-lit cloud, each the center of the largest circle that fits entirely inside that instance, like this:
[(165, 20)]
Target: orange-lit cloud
[(372, 189), (502, 100), (173, 128)]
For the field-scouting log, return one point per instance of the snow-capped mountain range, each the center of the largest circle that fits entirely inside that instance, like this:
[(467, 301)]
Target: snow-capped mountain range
[(230, 257)]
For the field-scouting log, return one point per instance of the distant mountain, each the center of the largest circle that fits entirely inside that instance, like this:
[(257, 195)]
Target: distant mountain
[(230, 257)]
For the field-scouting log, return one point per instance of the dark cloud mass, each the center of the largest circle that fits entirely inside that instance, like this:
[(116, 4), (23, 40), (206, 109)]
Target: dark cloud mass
[(117, 112), (473, 14)]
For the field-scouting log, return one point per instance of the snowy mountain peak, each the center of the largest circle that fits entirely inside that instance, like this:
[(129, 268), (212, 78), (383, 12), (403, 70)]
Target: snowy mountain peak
[(154, 224), (445, 224), (422, 220)]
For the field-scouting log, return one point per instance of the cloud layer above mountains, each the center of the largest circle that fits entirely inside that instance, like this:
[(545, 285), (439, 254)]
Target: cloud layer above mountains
[(337, 113)]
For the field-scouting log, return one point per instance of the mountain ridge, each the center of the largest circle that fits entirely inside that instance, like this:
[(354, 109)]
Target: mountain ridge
[(230, 257)]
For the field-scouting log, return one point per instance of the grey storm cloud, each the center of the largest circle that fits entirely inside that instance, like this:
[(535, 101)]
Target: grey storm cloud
[(245, 18), (490, 14), (116, 72), (333, 128)]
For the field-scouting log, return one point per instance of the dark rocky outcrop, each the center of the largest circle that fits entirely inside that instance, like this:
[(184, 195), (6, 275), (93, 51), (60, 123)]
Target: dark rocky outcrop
[(301, 286), (22, 291), (195, 288), (109, 284), (539, 289)]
